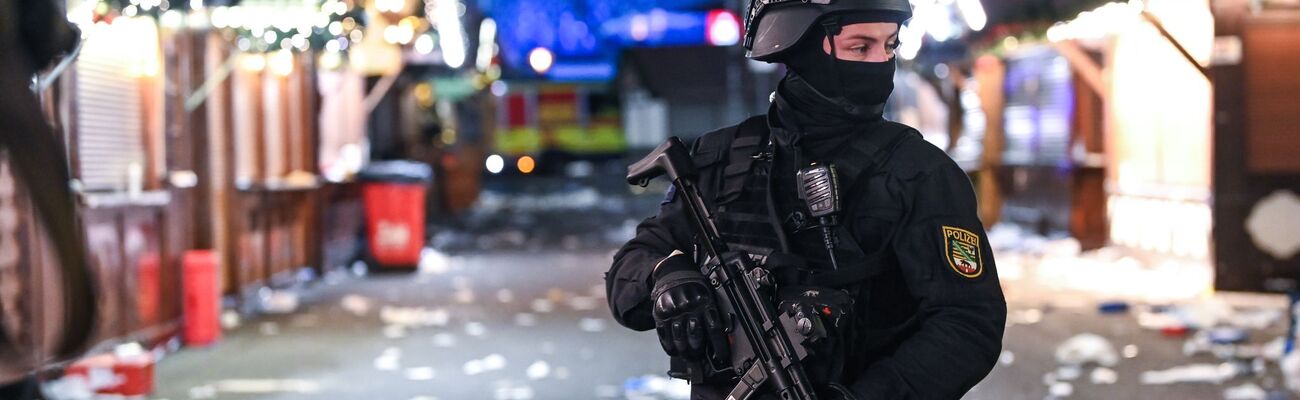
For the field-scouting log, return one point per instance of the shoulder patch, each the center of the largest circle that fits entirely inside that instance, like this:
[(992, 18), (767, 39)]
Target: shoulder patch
[(962, 250)]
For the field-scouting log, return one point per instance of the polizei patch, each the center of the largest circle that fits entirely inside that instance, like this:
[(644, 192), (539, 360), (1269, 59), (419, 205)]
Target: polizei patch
[(963, 251)]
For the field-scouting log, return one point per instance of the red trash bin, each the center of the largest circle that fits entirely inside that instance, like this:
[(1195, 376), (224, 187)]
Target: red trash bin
[(202, 294), (394, 196)]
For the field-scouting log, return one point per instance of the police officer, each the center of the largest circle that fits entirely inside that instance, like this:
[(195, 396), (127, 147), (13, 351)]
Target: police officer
[(925, 311)]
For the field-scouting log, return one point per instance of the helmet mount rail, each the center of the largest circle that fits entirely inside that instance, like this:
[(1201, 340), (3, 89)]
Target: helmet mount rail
[(756, 9)]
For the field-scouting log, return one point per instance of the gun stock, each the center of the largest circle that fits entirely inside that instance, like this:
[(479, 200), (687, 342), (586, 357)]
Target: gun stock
[(670, 158)]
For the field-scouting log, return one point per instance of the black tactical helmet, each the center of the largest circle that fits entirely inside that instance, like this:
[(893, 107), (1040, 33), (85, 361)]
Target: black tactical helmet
[(774, 26)]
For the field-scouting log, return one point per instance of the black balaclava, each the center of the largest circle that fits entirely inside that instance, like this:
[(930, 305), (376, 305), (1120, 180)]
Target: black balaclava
[(823, 94)]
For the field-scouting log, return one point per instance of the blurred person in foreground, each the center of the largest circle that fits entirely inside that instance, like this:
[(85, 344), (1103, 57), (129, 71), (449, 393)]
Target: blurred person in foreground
[(919, 311), (34, 35)]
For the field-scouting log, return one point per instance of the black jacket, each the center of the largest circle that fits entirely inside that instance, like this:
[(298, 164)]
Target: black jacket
[(935, 313)]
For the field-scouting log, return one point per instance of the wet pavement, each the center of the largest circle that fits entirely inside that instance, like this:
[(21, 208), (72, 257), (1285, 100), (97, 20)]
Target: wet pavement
[(522, 315)]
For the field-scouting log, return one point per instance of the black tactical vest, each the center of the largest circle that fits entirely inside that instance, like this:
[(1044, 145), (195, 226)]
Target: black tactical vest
[(741, 178), (736, 179)]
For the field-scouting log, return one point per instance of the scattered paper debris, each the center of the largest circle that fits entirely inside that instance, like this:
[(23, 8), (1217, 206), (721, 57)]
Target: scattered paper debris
[(128, 350), (592, 324), (357, 305), (70, 387), (1049, 378), (1130, 351), (433, 262), (444, 340), (525, 319), (538, 370), (414, 316), (1256, 319), (359, 268), (419, 373), (267, 386), (1026, 317), (1290, 365), (475, 329), (1226, 335), (583, 303), (230, 320), (1205, 373), (389, 360), (542, 306), (1060, 389), (1245, 391), (1204, 314), (1103, 376), (1068, 372), (1006, 358), (1158, 320), (1274, 349), (507, 390), (278, 301), (1197, 344), (203, 392), (494, 362), (1087, 347), (472, 367)]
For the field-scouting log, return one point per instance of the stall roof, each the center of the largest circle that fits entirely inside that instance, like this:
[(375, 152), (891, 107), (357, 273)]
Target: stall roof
[(677, 71)]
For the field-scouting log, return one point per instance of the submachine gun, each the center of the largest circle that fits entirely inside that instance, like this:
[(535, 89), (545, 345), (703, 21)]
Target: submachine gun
[(771, 350)]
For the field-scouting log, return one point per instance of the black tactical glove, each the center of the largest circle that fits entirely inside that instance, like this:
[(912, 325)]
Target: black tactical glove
[(686, 316), (835, 391)]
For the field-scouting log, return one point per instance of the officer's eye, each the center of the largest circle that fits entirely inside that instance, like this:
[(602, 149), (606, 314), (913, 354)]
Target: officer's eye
[(859, 49), (894, 45)]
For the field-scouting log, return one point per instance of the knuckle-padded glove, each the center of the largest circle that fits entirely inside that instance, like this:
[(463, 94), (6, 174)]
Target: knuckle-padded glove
[(685, 313)]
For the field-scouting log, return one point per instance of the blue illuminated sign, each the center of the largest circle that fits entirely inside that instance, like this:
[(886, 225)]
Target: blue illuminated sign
[(586, 36)]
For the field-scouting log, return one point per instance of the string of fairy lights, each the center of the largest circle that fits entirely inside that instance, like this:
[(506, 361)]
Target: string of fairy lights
[(257, 27), (266, 26)]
